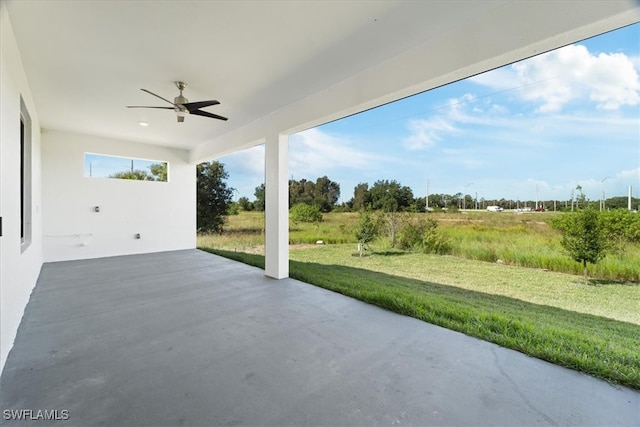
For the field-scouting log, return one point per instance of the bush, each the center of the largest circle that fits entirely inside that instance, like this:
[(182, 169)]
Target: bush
[(432, 241), (621, 225), (421, 234), (305, 213), (618, 226), (233, 209)]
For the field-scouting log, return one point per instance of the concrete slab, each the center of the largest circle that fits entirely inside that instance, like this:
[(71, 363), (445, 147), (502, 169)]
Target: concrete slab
[(188, 338)]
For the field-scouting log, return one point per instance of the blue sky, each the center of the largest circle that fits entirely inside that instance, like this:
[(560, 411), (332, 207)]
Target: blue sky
[(566, 118)]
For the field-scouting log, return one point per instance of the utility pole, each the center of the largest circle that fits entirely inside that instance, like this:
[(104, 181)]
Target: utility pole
[(464, 196), (602, 192), (572, 200), (427, 202)]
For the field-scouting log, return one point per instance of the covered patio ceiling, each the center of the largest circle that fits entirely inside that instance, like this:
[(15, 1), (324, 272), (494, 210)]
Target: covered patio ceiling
[(275, 66)]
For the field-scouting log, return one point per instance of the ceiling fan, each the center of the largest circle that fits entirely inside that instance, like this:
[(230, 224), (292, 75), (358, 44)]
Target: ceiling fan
[(182, 106)]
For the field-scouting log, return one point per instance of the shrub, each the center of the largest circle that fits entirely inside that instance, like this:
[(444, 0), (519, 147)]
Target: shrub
[(421, 234), (410, 234), (618, 226), (621, 225), (367, 228), (233, 209), (305, 213), (432, 241)]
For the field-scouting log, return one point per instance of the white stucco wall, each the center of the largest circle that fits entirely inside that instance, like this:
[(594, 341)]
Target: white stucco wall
[(19, 268), (163, 213)]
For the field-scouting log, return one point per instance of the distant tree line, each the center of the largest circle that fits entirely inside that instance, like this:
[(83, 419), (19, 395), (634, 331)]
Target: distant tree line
[(391, 196), (214, 198), (324, 193)]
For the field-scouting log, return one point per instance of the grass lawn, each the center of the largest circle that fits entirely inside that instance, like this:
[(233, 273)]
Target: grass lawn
[(594, 329), (524, 240), (615, 300)]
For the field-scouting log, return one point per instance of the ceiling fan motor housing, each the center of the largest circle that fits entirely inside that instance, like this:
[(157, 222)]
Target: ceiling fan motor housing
[(182, 107)]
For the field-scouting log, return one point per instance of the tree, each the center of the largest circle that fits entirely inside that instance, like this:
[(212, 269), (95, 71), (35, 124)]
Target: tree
[(390, 196), (458, 200), (301, 192), (136, 175), (245, 204), (326, 193), (259, 203), (158, 172), (213, 197), (361, 197), (366, 231), (583, 236)]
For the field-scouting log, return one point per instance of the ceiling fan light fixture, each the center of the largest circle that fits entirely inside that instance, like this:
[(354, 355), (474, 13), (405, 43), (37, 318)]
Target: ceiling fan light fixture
[(182, 106)]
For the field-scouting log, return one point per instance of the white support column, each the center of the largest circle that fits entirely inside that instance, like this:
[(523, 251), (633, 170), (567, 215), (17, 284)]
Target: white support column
[(277, 206)]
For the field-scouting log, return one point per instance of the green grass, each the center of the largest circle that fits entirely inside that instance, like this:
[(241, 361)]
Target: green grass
[(527, 240), (524, 240), (334, 228), (506, 305)]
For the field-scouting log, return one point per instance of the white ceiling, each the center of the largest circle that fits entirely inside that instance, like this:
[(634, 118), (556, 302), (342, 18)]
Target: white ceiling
[(86, 60)]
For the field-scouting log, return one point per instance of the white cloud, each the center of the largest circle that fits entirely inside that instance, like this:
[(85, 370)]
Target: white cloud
[(245, 169), (426, 132), (315, 153), (249, 161), (477, 118), (629, 175), (568, 74)]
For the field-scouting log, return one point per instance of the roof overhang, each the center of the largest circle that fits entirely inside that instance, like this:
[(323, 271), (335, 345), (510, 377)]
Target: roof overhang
[(275, 66)]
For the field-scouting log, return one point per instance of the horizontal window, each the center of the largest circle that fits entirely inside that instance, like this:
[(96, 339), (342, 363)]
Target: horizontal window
[(104, 166)]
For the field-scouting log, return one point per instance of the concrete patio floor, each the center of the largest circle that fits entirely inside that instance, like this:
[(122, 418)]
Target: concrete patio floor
[(188, 338)]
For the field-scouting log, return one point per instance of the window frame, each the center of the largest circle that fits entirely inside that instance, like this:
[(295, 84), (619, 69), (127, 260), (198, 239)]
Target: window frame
[(26, 178)]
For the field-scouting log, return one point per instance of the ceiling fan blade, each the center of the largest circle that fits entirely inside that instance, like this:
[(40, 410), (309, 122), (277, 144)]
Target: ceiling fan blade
[(205, 114), (196, 105), (157, 96), (162, 108)]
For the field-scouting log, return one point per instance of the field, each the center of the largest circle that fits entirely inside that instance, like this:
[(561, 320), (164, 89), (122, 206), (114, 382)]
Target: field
[(524, 240), (547, 314)]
